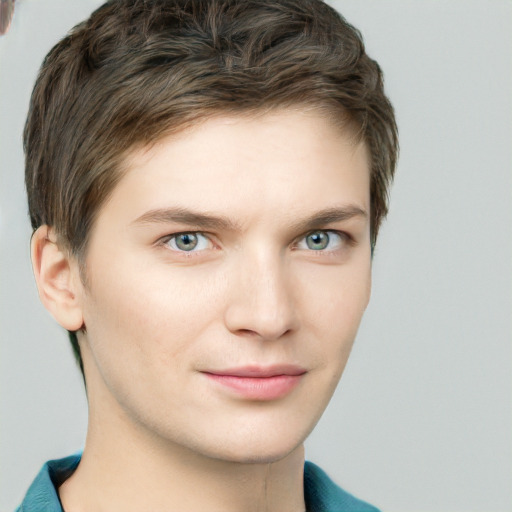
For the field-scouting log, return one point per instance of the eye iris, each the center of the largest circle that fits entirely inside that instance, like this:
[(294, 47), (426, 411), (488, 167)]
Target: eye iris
[(186, 241), (318, 240)]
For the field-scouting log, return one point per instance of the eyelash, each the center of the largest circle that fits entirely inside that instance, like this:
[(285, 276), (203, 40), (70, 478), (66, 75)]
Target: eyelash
[(345, 237), (165, 241)]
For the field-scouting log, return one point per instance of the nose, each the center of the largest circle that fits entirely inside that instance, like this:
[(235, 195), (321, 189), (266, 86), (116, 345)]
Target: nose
[(261, 298)]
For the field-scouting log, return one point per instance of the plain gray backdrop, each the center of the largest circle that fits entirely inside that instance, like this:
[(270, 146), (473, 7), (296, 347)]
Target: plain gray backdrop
[(422, 419)]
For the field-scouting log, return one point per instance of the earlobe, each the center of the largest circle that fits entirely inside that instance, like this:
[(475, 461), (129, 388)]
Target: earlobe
[(57, 278)]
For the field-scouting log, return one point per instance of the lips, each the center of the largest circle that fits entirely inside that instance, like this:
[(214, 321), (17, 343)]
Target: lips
[(256, 382)]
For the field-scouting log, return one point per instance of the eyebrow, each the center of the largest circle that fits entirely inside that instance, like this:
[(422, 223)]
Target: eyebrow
[(329, 216), (217, 222), (186, 216)]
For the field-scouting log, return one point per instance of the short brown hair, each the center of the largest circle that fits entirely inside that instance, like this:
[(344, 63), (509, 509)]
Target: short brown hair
[(138, 70)]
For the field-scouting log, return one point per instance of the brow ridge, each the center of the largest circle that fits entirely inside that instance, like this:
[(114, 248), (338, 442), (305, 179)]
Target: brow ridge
[(205, 220), (330, 216)]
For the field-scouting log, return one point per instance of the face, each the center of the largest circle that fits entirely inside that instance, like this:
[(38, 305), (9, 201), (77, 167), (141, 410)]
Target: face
[(227, 276)]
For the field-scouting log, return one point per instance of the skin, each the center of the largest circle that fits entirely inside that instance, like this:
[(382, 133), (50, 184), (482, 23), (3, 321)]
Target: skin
[(255, 290)]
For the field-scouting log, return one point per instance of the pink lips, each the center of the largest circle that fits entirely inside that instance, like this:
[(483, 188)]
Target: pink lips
[(259, 383)]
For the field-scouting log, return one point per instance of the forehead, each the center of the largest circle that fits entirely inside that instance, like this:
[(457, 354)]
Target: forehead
[(274, 161)]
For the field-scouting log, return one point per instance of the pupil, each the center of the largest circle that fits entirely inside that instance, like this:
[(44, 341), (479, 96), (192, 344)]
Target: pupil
[(318, 240), (187, 242)]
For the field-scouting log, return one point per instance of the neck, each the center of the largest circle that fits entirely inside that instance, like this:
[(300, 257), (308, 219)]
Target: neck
[(125, 469)]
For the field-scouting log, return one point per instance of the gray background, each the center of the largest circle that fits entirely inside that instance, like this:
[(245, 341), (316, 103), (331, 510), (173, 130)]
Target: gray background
[(422, 420)]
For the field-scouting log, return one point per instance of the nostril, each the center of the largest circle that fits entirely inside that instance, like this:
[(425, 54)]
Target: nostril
[(248, 332)]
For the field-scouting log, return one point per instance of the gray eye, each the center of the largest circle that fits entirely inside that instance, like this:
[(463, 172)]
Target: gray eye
[(189, 242), (317, 241), (186, 241)]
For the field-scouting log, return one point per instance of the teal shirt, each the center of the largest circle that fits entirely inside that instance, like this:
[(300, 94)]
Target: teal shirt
[(320, 492)]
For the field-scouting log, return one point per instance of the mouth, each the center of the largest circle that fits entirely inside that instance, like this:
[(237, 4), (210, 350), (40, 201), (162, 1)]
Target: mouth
[(257, 382)]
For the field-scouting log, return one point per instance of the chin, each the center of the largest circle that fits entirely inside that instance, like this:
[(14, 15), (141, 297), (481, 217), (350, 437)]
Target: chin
[(255, 456), (256, 449)]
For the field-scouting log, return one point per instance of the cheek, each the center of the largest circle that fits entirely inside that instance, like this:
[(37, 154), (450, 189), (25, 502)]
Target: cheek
[(136, 315), (151, 315), (336, 300)]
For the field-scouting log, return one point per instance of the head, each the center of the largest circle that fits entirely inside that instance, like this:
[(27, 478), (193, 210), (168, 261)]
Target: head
[(142, 76)]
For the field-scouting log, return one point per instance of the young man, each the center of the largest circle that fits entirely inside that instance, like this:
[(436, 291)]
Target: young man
[(206, 181)]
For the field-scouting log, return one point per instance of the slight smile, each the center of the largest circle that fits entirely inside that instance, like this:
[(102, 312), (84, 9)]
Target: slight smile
[(259, 383)]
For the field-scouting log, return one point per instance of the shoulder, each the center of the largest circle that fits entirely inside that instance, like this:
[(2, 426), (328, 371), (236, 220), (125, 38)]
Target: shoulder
[(323, 495), (42, 495)]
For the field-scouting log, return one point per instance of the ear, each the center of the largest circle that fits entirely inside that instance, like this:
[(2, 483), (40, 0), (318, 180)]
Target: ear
[(58, 279)]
